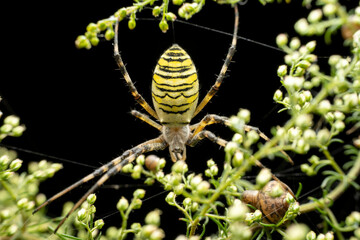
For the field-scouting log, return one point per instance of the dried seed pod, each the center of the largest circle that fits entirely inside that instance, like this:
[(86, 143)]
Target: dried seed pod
[(273, 208)]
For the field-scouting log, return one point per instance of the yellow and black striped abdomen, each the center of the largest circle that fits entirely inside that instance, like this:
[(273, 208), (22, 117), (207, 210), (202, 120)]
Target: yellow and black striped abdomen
[(175, 87)]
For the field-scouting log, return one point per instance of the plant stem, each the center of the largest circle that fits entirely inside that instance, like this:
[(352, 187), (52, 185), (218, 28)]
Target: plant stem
[(333, 195)]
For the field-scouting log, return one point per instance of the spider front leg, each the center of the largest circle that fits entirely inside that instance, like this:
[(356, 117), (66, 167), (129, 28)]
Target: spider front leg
[(213, 118), (206, 134), (127, 78)]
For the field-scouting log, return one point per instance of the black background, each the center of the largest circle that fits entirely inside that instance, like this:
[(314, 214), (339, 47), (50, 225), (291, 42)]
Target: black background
[(76, 106)]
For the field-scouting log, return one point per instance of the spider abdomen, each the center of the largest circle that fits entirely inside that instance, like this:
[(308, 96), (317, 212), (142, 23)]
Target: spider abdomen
[(175, 87)]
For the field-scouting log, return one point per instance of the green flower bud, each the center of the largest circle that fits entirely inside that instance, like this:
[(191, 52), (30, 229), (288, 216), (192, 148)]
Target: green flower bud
[(11, 230), (137, 203), (324, 106), (122, 204), (177, 2), (297, 232), (82, 42), (99, 224), (170, 16), (187, 202), (92, 27), (158, 234), (156, 11), (210, 163), (302, 26), (136, 227), (329, 9), (163, 25), (132, 23), (305, 64), (128, 168), (22, 203), (195, 181), (309, 134), (180, 167), (5, 214), (15, 165), (194, 206), (102, 25), (153, 217), (282, 70), (6, 128), (109, 34), (295, 43), (237, 138), (329, 236), (179, 189), (136, 174), (315, 16), (293, 82), (339, 125), (304, 121), (238, 211), (214, 170), (311, 235), (139, 193), (17, 131), (12, 120), (238, 159), (121, 14), (244, 115), (276, 191), (203, 187), (81, 215), (278, 95), (91, 198), (310, 46), (323, 136), (170, 198), (140, 160), (281, 40), (263, 177), (240, 231), (321, 236)]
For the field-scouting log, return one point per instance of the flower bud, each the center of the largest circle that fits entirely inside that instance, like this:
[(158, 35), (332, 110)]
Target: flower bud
[(311, 235), (163, 25), (153, 217), (203, 187), (131, 24), (324, 106), (297, 232), (323, 136), (263, 177), (180, 167), (12, 120), (122, 204), (170, 198), (139, 193), (244, 115), (15, 165), (91, 198), (278, 95), (310, 46), (237, 138), (156, 11), (109, 34), (238, 211), (238, 159), (81, 215), (302, 26), (281, 40), (315, 16), (329, 9), (295, 43)]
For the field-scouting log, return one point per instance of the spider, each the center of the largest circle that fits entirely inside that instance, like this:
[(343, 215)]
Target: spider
[(175, 93)]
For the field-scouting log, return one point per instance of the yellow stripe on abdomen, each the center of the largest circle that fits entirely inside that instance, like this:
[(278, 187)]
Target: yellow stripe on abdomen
[(175, 87)]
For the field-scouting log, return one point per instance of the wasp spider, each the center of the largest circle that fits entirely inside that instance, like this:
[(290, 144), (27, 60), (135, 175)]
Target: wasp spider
[(175, 94)]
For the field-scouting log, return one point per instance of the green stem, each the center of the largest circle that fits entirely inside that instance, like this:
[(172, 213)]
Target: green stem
[(333, 163), (333, 195), (8, 189), (334, 223)]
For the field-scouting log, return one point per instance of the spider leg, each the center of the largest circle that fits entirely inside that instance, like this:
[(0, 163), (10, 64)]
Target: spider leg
[(213, 118), (211, 136), (213, 90), (146, 119), (206, 134), (127, 78), (151, 145)]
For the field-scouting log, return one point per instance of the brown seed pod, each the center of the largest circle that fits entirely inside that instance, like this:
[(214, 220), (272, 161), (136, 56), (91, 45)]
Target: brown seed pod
[(272, 208), (151, 162)]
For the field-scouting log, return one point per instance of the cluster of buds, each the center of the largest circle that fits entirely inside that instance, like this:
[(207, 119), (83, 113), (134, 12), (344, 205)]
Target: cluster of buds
[(11, 127), (312, 236), (327, 18), (239, 214), (86, 214)]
